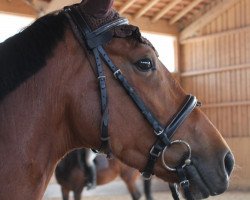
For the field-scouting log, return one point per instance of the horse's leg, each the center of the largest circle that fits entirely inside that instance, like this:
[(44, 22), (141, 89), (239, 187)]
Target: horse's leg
[(77, 192), (65, 193), (77, 195), (132, 188), (147, 189)]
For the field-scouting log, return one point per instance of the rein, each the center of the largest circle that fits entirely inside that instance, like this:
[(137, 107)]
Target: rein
[(94, 41)]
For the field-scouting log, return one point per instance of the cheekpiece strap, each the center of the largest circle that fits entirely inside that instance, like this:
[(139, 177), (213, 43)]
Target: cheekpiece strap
[(93, 39)]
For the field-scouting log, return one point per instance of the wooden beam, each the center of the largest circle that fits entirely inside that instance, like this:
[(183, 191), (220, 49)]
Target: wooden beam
[(161, 26), (226, 104), (206, 18), (215, 70), (18, 7), (185, 11), (146, 8), (167, 8), (126, 6)]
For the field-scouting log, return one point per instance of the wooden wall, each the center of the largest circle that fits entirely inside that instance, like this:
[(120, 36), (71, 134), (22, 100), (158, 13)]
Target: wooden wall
[(215, 66)]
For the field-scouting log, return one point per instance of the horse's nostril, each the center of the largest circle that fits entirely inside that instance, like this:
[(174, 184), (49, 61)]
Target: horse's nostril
[(229, 163)]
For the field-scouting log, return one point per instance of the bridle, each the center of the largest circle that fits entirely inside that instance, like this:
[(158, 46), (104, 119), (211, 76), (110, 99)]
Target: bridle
[(94, 41)]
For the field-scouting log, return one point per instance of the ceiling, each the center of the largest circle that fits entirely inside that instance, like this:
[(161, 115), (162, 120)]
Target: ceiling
[(181, 18), (176, 12)]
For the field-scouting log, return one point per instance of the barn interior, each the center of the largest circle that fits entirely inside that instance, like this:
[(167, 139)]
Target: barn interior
[(210, 41)]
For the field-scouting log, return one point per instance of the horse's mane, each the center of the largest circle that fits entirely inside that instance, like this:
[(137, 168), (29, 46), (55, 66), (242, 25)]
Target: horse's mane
[(24, 54)]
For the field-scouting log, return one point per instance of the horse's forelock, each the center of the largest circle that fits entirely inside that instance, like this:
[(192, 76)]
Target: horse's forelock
[(133, 32), (128, 31)]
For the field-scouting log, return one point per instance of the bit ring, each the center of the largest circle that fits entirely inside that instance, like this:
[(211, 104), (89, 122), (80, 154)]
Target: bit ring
[(187, 161)]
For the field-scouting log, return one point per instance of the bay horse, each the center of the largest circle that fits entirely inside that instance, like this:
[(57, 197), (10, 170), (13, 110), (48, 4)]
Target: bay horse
[(72, 175), (55, 97)]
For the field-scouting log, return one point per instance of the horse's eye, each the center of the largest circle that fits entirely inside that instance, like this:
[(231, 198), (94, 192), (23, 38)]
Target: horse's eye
[(144, 65)]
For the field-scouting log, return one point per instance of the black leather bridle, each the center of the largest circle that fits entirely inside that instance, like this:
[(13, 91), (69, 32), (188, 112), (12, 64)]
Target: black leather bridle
[(94, 41)]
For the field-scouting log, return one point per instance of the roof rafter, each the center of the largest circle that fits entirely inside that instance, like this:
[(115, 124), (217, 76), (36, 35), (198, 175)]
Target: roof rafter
[(207, 17), (185, 11), (126, 6), (161, 26), (167, 8), (18, 7), (146, 8)]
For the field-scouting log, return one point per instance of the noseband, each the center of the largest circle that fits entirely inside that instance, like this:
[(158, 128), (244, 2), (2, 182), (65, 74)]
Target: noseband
[(94, 41)]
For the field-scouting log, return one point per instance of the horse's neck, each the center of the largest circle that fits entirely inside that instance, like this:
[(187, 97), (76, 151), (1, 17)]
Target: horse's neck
[(34, 130)]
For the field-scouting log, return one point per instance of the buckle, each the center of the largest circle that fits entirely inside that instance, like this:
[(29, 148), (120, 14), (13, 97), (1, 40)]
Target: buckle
[(104, 139), (153, 153), (101, 77), (146, 176), (117, 72), (158, 133), (198, 104), (184, 183)]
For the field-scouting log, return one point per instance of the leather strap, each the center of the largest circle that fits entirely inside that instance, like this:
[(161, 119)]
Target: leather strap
[(104, 100), (168, 132), (174, 191), (184, 183)]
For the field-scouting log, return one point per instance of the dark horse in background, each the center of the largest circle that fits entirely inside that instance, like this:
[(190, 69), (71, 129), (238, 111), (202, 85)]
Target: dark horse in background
[(50, 104), (71, 173)]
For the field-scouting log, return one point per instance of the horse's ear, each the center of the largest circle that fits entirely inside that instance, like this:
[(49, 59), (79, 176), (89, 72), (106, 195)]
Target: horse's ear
[(97, 8)]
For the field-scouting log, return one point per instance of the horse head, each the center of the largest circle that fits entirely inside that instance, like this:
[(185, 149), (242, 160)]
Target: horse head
[(196, 145)]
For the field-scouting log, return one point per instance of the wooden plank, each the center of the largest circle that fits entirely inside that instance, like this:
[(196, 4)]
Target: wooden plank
[(243, 47), (247, 10), (243, 13), (239, 98), (237, 49), (238, 14), (18, 7), (248, 97), (194, 67), (126, 6), (146, 8), (206, 18), (167, 8), (161, 26), (185, 11), (177, 56)]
